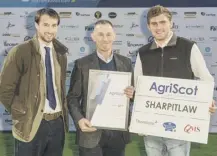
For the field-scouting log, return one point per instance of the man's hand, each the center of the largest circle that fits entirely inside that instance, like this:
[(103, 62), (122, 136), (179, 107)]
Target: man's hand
[(213, 107), (129, 91), (86, 126)]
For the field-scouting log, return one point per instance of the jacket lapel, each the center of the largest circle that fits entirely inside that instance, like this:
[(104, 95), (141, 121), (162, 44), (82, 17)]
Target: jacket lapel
[(36, 51), (94, 62), (119, 64), (36, 45)]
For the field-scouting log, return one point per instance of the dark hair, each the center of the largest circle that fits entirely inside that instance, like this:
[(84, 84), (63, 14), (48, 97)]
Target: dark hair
[(47, 11), (158, 10), (103, 22)]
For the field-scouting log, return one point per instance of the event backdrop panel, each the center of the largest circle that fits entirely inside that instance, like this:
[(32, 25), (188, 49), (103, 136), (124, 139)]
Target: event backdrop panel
[(196, 24)]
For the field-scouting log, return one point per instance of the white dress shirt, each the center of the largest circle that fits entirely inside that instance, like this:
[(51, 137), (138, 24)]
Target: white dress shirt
[(47, 108), (102, 57)]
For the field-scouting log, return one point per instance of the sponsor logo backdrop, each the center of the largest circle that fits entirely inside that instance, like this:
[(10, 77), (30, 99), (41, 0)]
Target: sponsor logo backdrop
[(197, 24)]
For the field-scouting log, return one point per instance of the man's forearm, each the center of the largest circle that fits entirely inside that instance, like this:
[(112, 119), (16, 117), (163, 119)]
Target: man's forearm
[(75, 112)]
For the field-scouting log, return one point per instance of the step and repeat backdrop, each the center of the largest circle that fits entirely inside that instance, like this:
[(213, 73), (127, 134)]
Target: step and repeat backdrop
[(196, 24)]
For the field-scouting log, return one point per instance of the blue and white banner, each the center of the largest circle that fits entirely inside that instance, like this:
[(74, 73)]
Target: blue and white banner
[(76, 25)]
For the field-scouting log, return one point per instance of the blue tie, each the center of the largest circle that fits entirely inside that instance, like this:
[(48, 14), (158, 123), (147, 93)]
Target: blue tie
[(49, 80)]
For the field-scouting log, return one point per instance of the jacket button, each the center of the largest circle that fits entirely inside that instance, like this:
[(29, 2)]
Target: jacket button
[(35, 96), (38, 75), (42, 110)]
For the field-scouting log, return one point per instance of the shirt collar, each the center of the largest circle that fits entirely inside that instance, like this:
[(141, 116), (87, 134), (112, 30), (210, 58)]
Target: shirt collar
[(42, 45), (102, 58)]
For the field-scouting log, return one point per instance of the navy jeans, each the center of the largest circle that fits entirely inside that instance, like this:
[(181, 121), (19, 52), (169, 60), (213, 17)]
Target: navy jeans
[(48, 141)]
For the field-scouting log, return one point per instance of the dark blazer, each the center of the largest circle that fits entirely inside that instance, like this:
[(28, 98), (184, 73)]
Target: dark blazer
[(77, 95)]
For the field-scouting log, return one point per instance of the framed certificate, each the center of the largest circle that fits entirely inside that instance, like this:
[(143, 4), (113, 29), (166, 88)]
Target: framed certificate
[(107, 105), (172, 108)]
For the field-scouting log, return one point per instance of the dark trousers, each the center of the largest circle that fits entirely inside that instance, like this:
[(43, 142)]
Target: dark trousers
[(48, 141), (111, 144)]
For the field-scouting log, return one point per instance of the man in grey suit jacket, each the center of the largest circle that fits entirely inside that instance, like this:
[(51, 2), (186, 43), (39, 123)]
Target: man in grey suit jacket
[(93, 142)]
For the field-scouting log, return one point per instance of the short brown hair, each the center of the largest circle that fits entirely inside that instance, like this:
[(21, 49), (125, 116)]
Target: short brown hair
[(158, 10), (47, 11), (104, 22)]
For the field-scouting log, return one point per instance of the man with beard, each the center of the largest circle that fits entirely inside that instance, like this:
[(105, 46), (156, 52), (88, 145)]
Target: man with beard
[(92, 141), (32, 89)]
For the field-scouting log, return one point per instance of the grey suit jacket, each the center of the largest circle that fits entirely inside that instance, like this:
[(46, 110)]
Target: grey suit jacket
[(77, 95)]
